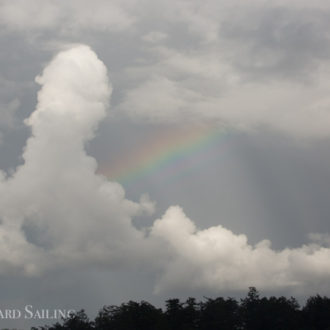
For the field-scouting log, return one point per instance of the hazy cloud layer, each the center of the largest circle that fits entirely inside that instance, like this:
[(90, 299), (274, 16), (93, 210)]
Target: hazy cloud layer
[(250, 67), (67, 16), (57, 213)]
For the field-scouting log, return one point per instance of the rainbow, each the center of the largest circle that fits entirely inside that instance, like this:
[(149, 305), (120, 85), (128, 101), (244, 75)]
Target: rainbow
[(168, 154)]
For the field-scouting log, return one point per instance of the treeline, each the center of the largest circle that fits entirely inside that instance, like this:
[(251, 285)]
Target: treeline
[(250, 313)]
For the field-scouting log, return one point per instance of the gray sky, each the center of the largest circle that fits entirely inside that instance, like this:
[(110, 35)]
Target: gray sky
[(213, 118)]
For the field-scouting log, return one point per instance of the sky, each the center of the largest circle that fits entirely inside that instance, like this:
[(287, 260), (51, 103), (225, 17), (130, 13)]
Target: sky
[(157, 149)]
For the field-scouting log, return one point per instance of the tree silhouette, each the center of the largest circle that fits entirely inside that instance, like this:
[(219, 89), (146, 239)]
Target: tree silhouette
[(316, 313), (251, 313), (191, 314), (133, 315), (174, 314), (269, 313), (220, 314), (76, 321)]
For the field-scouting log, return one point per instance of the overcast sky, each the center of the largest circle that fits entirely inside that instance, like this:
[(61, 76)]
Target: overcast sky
[(155, 149)]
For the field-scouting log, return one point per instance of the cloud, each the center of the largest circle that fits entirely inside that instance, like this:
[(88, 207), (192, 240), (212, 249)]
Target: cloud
[(203, 86), (216, 258), (265, 65), (184, 87), (261, 65), (56, 212), (54, 209), (65, 16), (154, 37)]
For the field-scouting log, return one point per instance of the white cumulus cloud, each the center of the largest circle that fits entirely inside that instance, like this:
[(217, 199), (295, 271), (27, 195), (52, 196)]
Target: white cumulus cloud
[(216, 258), (54, 209)]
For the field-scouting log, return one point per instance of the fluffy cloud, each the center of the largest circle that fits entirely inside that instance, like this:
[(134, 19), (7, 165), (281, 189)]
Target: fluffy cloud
[(57, 212), (217, 258), (54, 209)]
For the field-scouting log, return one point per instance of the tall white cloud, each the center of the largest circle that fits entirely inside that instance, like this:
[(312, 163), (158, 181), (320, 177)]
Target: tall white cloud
[(57, 212), (54, 208)]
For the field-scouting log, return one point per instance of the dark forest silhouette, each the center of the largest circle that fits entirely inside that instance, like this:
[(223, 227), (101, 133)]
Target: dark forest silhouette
[(250, 313)]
